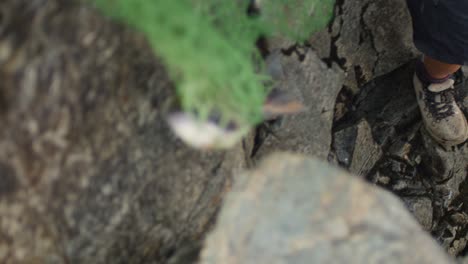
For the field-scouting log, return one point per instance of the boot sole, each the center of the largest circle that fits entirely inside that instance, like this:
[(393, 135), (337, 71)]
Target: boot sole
[(449, 143), (444, 142)]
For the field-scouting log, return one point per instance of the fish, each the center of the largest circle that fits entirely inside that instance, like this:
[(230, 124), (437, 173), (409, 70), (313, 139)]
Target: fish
[(209, 134), (205, 135)]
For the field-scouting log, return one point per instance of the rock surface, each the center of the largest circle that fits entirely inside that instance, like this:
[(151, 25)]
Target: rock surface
[(317, 86), (89, 171), (430, 179), (367, 38), (288, 211)]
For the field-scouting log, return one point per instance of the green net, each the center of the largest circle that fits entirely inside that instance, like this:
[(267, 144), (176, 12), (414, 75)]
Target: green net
[(208, 46), (297, 19)]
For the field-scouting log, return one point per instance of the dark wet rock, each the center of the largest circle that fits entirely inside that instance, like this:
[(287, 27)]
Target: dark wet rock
[(287, 211), (344, 142), (89, 171)]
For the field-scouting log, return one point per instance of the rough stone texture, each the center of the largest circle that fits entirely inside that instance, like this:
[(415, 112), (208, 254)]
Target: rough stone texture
[(366, 150), (317, 86), (288, 211), (421, 208), (430, 179), (89, 171), (367, 38)]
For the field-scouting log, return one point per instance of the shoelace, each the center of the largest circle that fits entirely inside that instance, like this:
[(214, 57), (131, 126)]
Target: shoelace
[(441, 104)]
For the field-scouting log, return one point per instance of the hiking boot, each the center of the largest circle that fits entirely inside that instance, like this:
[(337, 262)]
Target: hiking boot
[(442, 117)]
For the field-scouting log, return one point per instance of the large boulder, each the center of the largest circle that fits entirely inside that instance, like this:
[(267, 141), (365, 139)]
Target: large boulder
[(89, 171), (294, 209)]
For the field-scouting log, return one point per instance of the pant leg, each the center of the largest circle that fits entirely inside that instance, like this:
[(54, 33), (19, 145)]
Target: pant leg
[(441, 29)]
